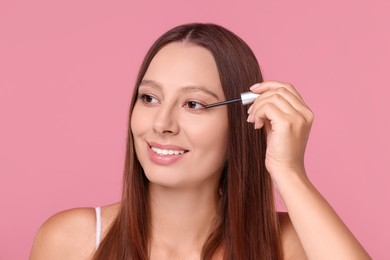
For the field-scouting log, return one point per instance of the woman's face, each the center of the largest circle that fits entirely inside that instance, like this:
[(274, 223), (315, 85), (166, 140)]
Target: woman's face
[(178, 142)]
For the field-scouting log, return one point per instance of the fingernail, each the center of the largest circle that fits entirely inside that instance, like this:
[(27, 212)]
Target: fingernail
[(255, 86)]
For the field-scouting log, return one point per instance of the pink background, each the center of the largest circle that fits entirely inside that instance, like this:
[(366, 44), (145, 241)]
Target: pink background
[(67, 70)]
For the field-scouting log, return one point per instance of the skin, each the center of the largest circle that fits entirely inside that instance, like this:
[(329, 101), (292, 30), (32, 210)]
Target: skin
[(172, 112), (183, 205), (287, 119)]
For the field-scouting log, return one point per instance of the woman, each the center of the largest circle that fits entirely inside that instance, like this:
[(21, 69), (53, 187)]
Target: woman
[(198, 181)]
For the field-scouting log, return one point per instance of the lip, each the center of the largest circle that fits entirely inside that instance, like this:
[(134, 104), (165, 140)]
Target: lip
[(166, 146), (164, 159)]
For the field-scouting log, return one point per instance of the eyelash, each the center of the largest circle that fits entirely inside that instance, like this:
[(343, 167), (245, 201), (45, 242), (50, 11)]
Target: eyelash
[(203, 106), (144, 97)]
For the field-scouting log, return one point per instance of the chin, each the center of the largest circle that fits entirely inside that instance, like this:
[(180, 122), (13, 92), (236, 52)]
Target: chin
[(166, 178), (170, 184)]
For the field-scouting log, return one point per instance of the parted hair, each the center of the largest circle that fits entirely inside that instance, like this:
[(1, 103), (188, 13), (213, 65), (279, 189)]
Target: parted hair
[(247, 224)]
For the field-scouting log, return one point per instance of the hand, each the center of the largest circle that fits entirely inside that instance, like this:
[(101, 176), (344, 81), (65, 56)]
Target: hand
[(287, 121)]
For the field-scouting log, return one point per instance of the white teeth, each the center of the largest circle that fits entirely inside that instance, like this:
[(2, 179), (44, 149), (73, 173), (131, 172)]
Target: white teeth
[(166, 152)]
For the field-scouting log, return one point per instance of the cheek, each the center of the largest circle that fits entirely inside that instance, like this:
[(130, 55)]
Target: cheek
[(219, 138), (210, 133), (219, 134), (138, 123)]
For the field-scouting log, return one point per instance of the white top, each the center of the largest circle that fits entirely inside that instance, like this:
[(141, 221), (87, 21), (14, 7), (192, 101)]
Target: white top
[(98, 226)]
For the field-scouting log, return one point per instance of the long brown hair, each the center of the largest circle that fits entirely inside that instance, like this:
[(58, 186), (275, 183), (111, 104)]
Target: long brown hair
[(247, 225)]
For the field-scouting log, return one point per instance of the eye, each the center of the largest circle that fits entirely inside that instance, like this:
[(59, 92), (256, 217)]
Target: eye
[(194, 105), (148, 99)]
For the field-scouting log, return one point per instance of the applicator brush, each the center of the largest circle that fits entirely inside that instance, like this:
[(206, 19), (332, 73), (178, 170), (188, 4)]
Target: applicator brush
[(246, 99)]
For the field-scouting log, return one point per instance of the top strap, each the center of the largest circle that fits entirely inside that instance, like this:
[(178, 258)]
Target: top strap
[(98, 226)]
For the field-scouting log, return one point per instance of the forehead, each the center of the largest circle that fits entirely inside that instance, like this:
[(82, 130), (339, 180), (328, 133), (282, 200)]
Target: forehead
[(181, 64)]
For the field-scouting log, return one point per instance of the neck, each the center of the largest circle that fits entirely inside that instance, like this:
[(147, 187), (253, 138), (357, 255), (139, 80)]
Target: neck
[(181, 219)]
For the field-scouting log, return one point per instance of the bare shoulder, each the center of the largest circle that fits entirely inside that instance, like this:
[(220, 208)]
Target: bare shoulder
[(292, 246), (69, 234), (109, 214)]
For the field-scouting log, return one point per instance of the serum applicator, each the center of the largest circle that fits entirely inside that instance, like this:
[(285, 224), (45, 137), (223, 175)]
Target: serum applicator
[(246, 99)]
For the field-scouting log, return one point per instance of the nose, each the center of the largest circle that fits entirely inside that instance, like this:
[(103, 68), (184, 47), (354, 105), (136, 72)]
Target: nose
[(165, 121)]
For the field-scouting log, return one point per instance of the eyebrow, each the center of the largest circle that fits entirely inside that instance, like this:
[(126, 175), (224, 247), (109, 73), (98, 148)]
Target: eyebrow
[(191, 88)]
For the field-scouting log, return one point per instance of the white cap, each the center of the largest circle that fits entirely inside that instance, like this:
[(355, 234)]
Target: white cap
[(248, 97)]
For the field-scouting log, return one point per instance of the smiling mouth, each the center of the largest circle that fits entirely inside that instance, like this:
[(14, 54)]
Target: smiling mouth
[(167, 152)]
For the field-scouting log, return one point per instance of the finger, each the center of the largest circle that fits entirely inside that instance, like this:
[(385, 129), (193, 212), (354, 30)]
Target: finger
[(278, 120), (250, 109), (283, 93), (268, 112), (279, 101), (268, 85)]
